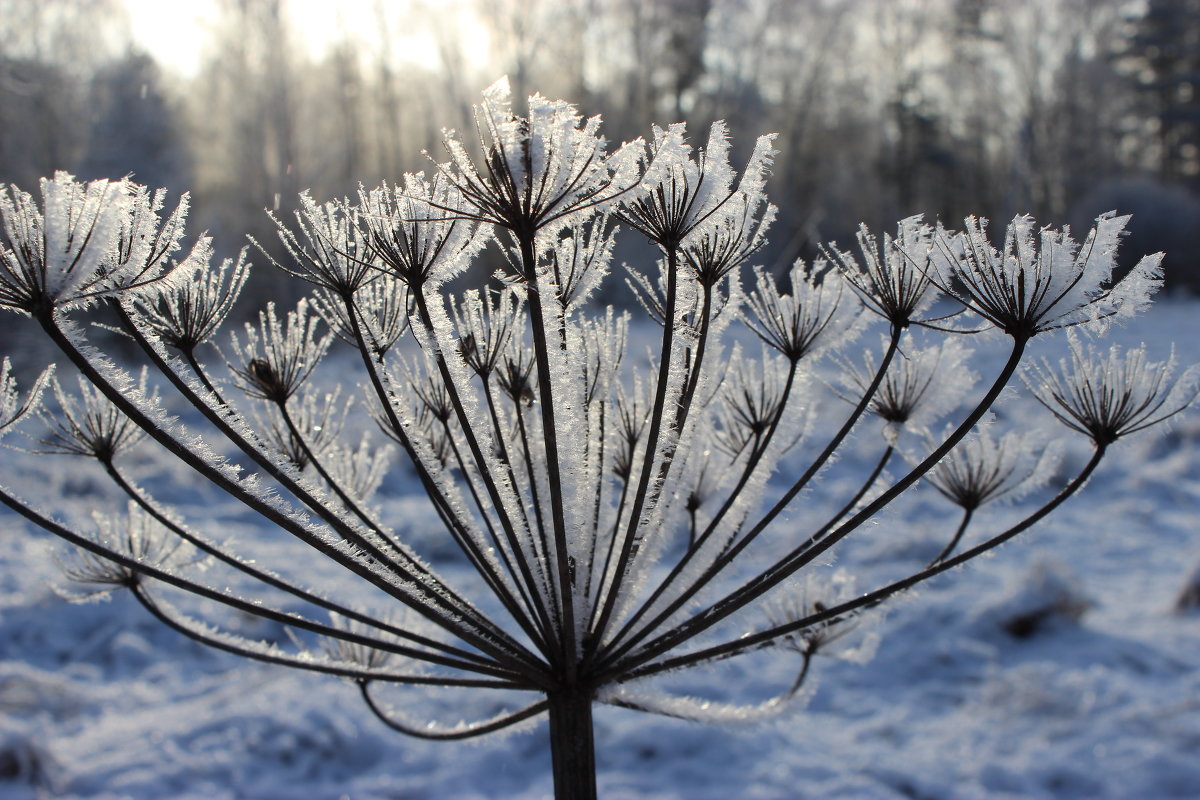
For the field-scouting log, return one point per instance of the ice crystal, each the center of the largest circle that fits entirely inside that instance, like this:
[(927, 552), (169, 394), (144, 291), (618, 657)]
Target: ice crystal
[(12, 408)]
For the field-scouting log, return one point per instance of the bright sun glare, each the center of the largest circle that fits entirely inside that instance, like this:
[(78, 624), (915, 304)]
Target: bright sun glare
[(177, 33)]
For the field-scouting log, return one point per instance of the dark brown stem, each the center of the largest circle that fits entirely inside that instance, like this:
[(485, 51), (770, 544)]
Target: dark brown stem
[(958, 534), (572, 745), (658, 411), (768, 637), (797, 559), (541, 349)]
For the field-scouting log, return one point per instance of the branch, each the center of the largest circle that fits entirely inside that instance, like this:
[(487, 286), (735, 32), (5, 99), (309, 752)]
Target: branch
[(729, 554), (698, 710), (246, 606), (806, 553), (503, 647), (143, 502), (441, 502), (770, 636), (464, 730), (268, 654)]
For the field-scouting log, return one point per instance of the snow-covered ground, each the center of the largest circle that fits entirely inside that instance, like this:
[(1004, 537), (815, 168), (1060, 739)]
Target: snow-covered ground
[(100, 701)]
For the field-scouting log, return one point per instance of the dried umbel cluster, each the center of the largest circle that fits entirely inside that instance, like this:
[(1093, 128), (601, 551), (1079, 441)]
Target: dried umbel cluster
[(615, 506)]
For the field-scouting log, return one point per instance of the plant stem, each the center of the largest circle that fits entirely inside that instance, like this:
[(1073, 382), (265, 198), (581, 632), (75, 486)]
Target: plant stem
[(572, 745)]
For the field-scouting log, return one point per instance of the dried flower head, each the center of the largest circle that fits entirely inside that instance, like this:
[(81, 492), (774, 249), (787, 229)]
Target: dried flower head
[(277, 358), (318, 417), (383, 311), (412, 234), (1042, 280), (147, 245), (633, 416), (1107, 396), (516, 376), (579, 259), (430, 393), (359, 470), (894, 279), (814, 318), (983, 469), (684, 189), (86, 241), (357, 654), (735, 234), (538, 169), (817, 593), (136, 536), (751, 401), (187, 313), (332, 251), (485, 321), (603, 340), (54, 256), (921, 385), (90, 425)]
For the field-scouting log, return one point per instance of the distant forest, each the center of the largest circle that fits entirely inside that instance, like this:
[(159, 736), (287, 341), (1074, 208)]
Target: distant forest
[(883, 108)]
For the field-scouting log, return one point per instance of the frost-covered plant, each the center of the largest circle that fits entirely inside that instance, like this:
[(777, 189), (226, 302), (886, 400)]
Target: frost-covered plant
[(619, 511)]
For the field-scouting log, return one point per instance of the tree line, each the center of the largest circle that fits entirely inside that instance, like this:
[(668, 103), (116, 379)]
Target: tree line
[(1062, 109)]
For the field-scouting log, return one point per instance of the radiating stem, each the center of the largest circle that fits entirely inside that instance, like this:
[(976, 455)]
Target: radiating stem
[(774, 575)]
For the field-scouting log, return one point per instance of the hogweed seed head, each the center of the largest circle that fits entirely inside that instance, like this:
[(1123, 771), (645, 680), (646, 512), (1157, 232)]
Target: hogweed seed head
[(984, 469), (485, 322), (1042, 280), (579, 259), (318, 416), (817, 316), (1107, 396), (894, 279), (90, 425), (736, 234), (332, 251), (538, 170), (412, 234), (86, 241), (382, 306), (136, 536), (685, 191), (277, 358), (813, 595), (921, 386), (187, 313)]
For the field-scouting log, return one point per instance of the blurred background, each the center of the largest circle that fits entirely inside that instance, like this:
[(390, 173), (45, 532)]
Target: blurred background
[(883, 108)]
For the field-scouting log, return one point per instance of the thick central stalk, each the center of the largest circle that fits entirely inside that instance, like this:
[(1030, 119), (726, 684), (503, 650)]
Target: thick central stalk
[(572, 746)]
